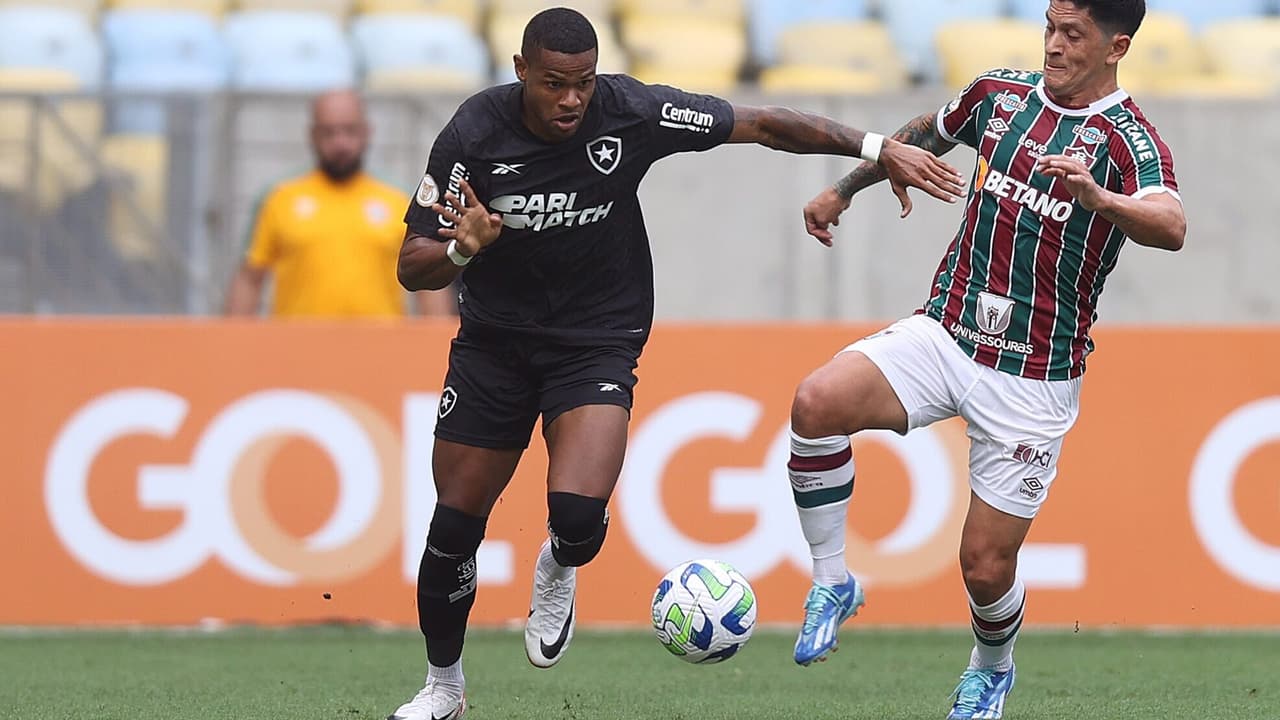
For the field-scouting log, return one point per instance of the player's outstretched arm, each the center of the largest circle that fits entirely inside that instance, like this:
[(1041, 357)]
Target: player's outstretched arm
[(428, 264), (825, 209)]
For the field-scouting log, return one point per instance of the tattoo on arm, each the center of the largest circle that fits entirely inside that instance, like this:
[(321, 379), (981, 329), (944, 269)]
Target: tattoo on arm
[(793, 131), (921, 132)]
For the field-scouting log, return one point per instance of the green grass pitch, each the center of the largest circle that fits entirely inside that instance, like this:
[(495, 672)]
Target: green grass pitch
[(334, 673)]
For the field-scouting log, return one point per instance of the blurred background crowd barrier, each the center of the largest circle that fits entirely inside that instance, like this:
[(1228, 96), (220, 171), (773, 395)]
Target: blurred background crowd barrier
[(136, 134)]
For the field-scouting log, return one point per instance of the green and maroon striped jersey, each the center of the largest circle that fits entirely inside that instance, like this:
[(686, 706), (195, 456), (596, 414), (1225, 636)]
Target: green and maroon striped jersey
[(1019, 285)]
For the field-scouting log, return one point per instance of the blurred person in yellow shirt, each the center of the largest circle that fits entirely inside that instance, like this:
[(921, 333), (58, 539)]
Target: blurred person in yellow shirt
[(330, 239)]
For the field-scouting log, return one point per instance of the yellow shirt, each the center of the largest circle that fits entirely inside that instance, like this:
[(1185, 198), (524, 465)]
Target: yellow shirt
[(332, 248)]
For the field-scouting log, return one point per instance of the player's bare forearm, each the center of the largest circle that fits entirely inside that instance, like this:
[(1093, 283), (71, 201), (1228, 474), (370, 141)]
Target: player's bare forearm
[(921, 132), (1156, 221), (793, 131), (424, 265)]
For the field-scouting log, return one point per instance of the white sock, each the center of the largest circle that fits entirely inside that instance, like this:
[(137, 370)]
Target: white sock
[(552, 567), (995, 629), (451, 675), (821, 473)]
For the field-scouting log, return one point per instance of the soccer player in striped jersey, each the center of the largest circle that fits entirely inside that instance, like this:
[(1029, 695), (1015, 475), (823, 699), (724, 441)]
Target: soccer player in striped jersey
[(1068, 168)]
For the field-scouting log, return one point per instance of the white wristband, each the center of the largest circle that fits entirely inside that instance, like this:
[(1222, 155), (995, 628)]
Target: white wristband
[(456, 257), (871, 145)]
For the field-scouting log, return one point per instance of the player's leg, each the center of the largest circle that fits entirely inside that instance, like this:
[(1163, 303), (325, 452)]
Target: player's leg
[(485, 420), (887, 381), (587, 406), (989, 547), (1016, 429)]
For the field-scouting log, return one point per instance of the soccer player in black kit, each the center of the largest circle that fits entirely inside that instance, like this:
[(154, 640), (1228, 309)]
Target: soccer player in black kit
[(531, 188)]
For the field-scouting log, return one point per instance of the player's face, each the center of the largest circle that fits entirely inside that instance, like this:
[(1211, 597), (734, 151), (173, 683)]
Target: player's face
[(557, 89), (339, 135), (1078, 54)]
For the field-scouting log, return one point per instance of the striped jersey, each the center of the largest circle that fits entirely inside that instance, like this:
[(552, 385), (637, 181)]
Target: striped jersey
[(1018, 288)]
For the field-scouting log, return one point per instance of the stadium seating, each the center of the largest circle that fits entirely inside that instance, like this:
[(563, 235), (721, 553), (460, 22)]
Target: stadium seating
[(507, 30), (62, 163), (418, 51), (138, 165), (590, 8), (832, 57), (155, 51), (337, 8), (1004, 43), (53, 38), (697, 54), (85, 7), (722, 10), (468, 11), (1245, 49), (1166, 56), (215, 8), (1199, 13), (277, 50), (768, 19), (914, 26)]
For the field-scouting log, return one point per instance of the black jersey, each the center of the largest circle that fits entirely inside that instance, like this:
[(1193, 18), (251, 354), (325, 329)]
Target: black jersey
[(572, 263)]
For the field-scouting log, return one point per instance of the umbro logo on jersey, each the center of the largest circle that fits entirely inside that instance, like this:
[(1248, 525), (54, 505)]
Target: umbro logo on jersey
[(609, 387), (996, 128), (1031, 488), (507, 168), (605, 153)]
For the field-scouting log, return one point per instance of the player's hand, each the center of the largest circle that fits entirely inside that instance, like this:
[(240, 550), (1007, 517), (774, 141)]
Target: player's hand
[(822, 212), (1076, 178), (474, 227), (909, 166)]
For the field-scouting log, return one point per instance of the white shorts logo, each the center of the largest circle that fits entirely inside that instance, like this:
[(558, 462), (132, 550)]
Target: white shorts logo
[(994, 313)]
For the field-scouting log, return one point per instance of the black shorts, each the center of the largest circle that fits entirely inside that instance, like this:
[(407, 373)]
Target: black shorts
[(497, 387)]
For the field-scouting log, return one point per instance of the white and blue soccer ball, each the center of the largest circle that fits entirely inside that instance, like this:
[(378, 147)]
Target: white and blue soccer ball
[(704, 611)]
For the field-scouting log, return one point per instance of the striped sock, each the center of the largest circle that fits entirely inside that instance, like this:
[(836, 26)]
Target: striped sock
[(821, 472), (995, 628)]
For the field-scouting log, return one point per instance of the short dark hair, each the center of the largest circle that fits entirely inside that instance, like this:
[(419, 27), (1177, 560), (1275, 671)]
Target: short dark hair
[(558, 30), (1115, 16)]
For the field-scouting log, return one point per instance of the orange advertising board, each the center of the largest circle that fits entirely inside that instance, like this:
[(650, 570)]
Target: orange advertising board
[(165, 472)]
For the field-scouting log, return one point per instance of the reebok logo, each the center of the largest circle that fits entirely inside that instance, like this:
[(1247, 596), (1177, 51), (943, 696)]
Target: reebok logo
[(610, 387), (507, 168)]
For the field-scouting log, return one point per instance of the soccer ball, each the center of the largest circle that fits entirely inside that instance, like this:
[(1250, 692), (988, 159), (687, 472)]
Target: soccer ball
[(704, 611)]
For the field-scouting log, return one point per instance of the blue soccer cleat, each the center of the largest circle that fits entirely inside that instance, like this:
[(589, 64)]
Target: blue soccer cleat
[(825, 608), (981, 694)]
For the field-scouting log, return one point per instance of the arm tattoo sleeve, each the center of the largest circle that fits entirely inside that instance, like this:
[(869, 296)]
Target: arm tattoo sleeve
[(921, 132)]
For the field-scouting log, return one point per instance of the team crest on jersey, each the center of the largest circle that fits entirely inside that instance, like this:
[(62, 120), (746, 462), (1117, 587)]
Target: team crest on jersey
[(1081, 154), (994, 313), (605, 153)]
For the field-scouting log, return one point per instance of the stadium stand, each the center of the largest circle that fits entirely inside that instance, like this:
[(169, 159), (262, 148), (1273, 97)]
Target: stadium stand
[(703, 54), (86, 7), (61, 166), (1245, 49), (215, 8), (769, 19), (419, 51), (1199, 13), (729, 11), (140, 165), (51, 37), (469, 11), (527, 8), (1005, 43), (834, 57), (336, 8), (914, 26), (277, 50), (156, 51)]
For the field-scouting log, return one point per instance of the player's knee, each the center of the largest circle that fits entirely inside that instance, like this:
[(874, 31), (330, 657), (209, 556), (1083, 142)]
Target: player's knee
[(811, 414), (988, 575), (577, 524), (454, 533)]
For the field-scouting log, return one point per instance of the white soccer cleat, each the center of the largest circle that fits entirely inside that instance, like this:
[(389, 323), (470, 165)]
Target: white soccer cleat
[(435, 701), (550, 626)]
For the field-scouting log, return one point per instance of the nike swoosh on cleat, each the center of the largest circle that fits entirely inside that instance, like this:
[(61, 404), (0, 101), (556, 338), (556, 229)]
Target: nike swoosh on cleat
[(551, 651)]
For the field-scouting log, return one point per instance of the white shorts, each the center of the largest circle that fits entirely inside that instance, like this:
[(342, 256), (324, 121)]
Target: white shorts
[(1015, 425)]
